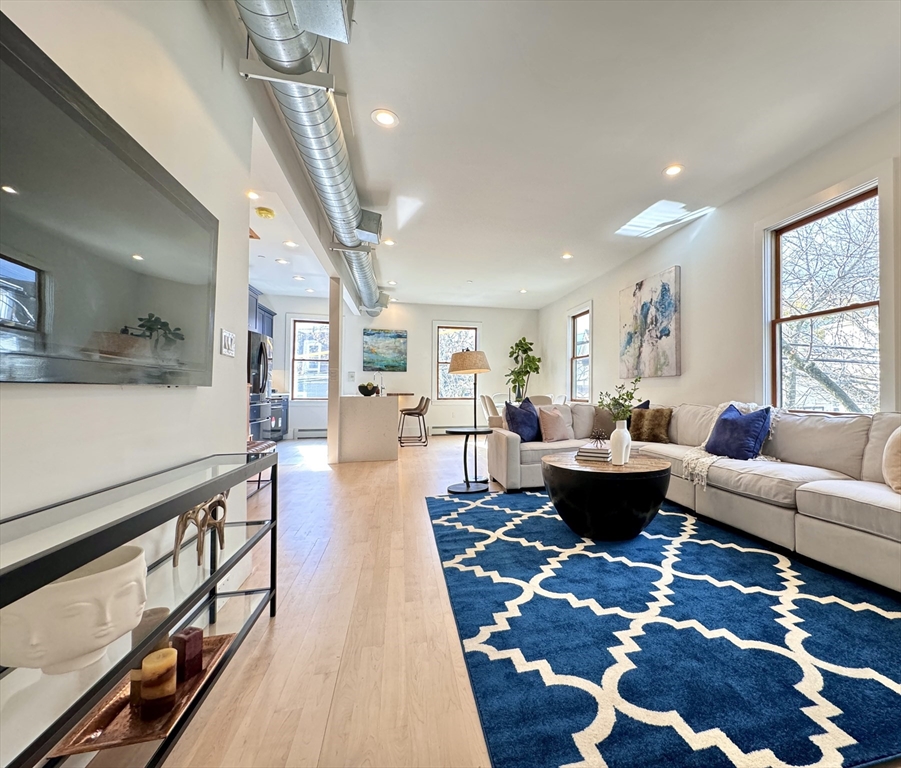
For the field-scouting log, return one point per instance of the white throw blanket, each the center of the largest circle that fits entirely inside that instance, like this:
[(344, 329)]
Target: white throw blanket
[(696, 463)]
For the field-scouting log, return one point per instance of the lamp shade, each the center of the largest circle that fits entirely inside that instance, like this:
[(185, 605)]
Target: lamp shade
[(468, 362)]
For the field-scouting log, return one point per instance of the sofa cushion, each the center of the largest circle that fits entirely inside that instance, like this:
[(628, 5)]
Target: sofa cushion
[(553, 425), (523, 421), (774, 482), (891, 461), (668, 452), (865, 506), (739, 435), (691, 424), (583, 419), (651, 425), (883, 425), (834, 442), (531, 453), (603, 422)]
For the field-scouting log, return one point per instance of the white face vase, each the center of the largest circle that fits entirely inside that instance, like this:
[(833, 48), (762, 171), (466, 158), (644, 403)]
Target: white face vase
[(68, 624)]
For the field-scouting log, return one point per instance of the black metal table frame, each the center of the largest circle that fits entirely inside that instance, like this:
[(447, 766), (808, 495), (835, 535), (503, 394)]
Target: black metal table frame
[(24, 578), (475, 485)]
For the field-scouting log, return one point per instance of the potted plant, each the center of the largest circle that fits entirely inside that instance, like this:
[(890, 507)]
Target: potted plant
[(525, 364), (158, 331), (620, 406)]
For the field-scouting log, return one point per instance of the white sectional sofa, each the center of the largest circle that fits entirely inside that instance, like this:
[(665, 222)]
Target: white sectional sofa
[(824, 498)]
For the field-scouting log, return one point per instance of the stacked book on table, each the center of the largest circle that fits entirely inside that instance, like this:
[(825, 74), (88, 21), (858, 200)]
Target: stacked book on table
[(594, 452)]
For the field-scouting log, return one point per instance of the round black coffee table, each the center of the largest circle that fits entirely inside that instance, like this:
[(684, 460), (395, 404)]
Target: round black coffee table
[(469, 486), (599, 500)]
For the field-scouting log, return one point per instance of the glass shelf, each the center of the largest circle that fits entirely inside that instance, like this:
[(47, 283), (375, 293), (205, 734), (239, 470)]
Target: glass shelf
[(31, 701), (40, 546)]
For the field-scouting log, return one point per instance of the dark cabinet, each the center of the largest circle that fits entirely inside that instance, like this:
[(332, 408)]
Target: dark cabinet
[(259, 317)]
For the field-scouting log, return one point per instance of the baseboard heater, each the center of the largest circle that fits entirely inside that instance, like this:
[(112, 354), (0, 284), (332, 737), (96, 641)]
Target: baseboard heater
[(308, 434)]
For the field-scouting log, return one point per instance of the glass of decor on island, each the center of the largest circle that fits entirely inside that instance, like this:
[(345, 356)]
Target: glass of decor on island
[(620, 405), (368, 389)]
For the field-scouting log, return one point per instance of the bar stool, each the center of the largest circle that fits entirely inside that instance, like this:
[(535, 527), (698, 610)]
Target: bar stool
[(419, 413)]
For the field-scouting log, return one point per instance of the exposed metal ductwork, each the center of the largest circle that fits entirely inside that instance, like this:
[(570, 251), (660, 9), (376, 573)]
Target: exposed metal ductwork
[(312, 117)]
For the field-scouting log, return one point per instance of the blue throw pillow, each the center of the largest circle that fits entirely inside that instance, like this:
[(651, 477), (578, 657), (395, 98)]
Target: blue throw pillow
[(738, 435), (523, 421)]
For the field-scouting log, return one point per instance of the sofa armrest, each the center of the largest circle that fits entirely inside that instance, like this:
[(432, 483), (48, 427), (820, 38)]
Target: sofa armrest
[(496, 422), (503, 458)]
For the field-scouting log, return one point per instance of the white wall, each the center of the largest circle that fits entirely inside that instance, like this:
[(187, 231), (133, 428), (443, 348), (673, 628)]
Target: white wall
[(159, 69), (722, 282), (499, 329)]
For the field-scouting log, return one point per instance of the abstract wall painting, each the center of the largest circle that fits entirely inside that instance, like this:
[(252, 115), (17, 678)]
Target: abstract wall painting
[(650, 334), (384, 350)]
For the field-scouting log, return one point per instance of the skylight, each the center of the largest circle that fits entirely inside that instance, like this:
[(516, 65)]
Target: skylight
[(660, 216)]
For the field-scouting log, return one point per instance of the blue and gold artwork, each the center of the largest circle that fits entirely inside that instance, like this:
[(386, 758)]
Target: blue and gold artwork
[(384, 350), (650, 335)]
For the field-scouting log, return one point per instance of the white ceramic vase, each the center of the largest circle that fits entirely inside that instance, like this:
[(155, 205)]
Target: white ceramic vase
[(69, 623), (620, 444)]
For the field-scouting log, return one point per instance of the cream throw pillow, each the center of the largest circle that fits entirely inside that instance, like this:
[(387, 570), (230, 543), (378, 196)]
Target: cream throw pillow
[(553, 426), (891, 461)]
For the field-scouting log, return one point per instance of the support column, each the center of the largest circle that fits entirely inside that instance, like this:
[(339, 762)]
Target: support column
[(335, 351)]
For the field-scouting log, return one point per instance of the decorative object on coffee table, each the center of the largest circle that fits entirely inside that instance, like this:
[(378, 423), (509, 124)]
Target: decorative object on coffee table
[(605, 501), (68, 624), (210, 514), (469, 486), (650, 335), (619, 404)]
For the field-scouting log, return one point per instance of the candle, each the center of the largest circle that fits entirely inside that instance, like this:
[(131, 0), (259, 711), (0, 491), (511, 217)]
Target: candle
[(189, 644), (158, 683), (134, 692)]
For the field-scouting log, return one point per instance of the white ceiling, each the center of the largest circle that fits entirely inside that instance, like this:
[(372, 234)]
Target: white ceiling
[(532, 128)]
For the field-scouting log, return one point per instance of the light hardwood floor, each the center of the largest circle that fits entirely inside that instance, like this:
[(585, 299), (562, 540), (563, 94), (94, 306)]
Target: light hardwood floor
[(362, 665)]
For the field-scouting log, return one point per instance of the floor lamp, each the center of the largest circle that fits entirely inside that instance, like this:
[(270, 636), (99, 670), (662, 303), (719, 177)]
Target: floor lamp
[(461, 363), (473, 362)]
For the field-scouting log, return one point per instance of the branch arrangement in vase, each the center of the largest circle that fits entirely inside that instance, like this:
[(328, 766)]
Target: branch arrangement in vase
[(621, 402)]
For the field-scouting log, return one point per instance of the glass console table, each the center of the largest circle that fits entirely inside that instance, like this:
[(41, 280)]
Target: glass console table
[(37, 710)]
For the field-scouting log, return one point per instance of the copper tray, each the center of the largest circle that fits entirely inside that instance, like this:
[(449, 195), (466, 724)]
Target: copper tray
[(113, 723)]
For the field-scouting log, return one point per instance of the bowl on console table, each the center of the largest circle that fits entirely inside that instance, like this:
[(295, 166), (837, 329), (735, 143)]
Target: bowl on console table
[(368, 390)]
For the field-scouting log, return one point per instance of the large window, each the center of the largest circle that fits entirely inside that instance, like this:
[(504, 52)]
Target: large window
[(453, 386), (580, 357), (309, 360), (825, 331)]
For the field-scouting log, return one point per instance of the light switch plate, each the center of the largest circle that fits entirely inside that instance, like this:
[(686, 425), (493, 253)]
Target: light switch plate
[(351, 376), (229, 342)]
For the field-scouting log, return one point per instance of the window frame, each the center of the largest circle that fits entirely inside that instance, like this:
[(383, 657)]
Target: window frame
[(439, 362), (573, 344), (776, 318), (294, 359)]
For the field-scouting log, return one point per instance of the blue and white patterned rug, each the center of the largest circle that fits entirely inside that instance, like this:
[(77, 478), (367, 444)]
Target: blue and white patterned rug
[(688, 646)]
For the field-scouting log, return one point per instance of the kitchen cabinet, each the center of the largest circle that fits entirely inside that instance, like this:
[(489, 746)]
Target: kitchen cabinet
[(259, 317)]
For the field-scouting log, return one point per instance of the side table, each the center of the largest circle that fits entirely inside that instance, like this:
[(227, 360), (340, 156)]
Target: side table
[(469, 486)]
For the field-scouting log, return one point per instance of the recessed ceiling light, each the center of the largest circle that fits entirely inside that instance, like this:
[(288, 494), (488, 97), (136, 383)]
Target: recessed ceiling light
[(385, 118), (392, 282), (9, 190), (673, 170), (299, 277), (389, 241), (137, 257), (290, 244), (566, 256), (660, 216), (393, 300), (469, 282), (523, 290), (260, 256), (265, 213), (253, 195), (310, 290), (282, 261)]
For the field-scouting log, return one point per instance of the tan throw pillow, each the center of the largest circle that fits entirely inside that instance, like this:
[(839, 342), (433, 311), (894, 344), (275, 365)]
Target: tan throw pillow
[(603, 422), (891, 461), (553, 426), (651, 425)]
